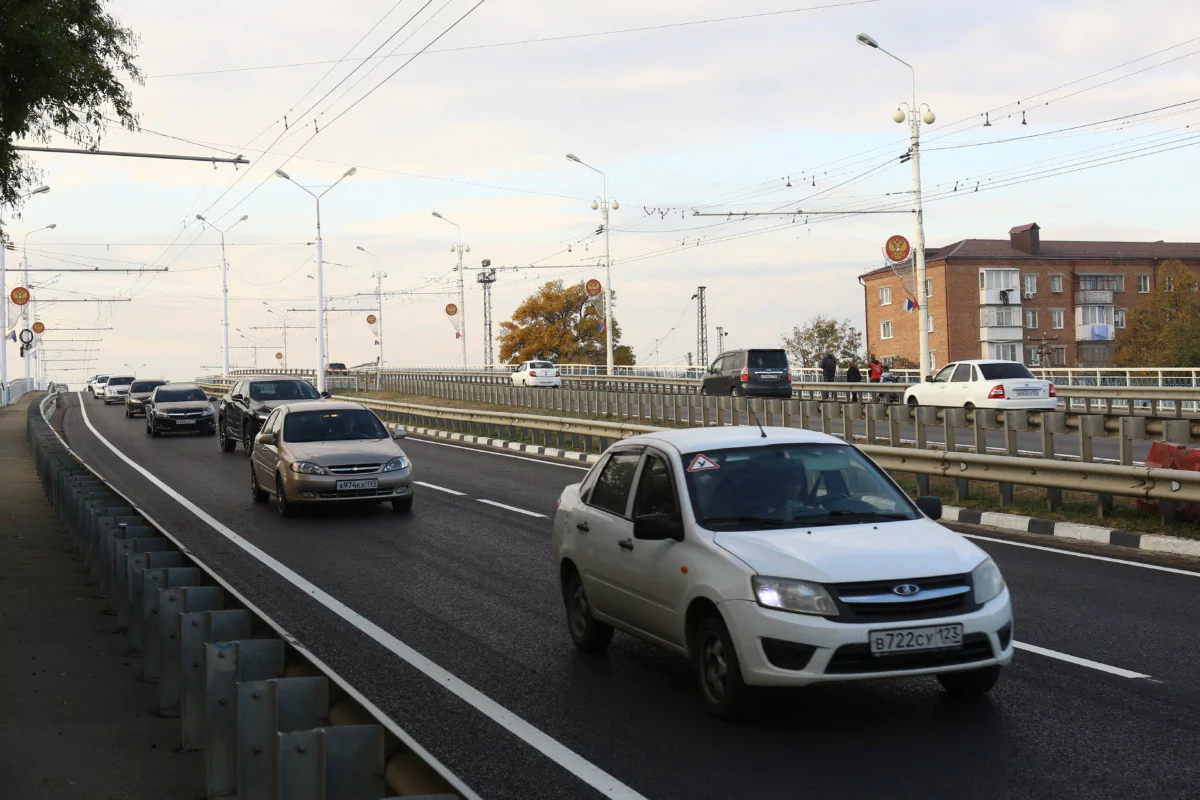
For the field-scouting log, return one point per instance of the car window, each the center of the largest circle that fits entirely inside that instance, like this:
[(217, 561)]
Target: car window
[(716, 365), (189, 395), (144, 386), (267, 391), (236, 389), (120, 380), (611, 492), (734, 361), (335, 425), (521, 367), (540, 365), (768, 359), (1005, 369), (656, 490), (962, 374), (944, 375), (272, 423)]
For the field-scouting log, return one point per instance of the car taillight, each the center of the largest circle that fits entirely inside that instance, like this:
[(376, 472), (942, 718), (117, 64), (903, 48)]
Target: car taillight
[(557, 374), (532, 373), (788, 376), (997, 393), (1052, 392), (745, 373)]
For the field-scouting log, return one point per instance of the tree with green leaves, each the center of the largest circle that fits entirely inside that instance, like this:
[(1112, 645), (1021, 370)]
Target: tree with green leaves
[(808, 343), (62, 63), (561, 324), (1164, 330)]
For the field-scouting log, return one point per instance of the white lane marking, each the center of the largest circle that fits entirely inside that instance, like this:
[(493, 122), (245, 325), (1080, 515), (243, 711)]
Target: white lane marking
[(440, 488), (1061, 551), (514, 508), (1083, 662), (566, 758), (492, 453)]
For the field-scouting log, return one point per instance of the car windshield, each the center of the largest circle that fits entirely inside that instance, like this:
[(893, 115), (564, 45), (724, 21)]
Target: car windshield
[(119, 381), (101, 378), (540, 365), (767, 359), (790, 486), (145, 386), (266, 391), (332, 426), (1003, 370), (180, 396)]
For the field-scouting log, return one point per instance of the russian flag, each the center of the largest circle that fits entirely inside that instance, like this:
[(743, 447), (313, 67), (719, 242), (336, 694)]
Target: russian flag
[(910, 304)]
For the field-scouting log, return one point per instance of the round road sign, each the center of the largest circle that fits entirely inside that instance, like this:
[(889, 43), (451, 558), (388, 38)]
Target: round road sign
[(370, 319), (279, 355), (593, 288), (451, 309), (19, 295), (897, 248), (38, 327)]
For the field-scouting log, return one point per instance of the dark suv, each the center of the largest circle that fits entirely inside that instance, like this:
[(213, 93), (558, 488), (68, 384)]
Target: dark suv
[(242, 410), (748, 373)]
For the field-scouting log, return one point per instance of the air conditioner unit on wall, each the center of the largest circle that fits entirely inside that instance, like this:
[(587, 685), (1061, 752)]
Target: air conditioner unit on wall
[(1029, 295)]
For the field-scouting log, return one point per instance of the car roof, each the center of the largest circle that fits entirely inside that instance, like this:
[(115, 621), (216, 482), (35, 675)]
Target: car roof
[(256, 378), (690, 440), (178, 386), (982, 361), (323, 405)]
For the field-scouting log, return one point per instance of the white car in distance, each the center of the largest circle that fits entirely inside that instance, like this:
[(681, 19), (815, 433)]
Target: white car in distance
[(984, 383), (775, 557), (96, 386), (116, 388), (537, 373)]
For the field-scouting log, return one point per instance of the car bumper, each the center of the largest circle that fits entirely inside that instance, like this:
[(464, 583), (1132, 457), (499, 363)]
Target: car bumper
[(135, 406), (1031, 403), (755, 629), (300, 488), (114, 397), (552, 383), (169, 425), (768, 391)]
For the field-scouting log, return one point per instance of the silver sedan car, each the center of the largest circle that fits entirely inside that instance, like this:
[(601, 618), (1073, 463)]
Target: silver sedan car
[(328, 452)]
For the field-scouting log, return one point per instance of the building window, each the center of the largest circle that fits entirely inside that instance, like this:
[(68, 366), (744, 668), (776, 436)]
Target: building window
[(1056, 319), (1031, 318), (1101, 283), (1096, 315), (1094, 355), (1030, 284), (928, 288), (1058, 356), (885, 295), (887, 361), (1004, 351), (1119, 318), (1143, 284), (929, 325), (1056, 284), (885, 330), (932, 360), (1031, 355), (1000, 316), (998, 278), (1169, 283)]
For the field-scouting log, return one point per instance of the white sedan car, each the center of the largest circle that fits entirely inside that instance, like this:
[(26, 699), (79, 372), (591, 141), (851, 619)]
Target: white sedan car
[(537, 373), (776, 558), (984, 383)]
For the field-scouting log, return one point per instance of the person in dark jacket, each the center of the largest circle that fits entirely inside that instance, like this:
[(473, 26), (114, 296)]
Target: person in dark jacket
[(853, 376), (828, 366)]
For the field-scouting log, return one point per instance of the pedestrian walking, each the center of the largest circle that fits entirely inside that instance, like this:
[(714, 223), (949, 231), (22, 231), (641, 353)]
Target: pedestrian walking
[(828, 366), (875, 373), (853, 376)]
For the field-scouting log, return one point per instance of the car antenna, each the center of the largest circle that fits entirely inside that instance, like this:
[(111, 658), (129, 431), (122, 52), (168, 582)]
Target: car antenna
[(754, 417)]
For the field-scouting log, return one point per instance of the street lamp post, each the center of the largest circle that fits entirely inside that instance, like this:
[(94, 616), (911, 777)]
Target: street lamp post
[(29, 313), (224, 285), (915, 118), (4, 308), (320, 272), (378, 275), (460, 248), (603, 204)]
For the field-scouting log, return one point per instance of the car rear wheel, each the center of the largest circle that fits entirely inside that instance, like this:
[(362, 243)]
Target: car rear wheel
[(912, 401), (969, 407), (153, 427), (971, 683), (256, 491), (736, 392), (588, 635), (402, 504), (282, 506), (718, 672), (227, 444)]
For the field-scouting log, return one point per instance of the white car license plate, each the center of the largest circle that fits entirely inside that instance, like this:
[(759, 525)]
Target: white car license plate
[(185, 422), (361, 483), (1026, 393), (768, 377), (904, 640)]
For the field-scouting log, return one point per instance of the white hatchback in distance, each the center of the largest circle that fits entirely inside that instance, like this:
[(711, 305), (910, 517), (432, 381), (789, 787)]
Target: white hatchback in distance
[(984, 383), (776, 558), (537, 373)]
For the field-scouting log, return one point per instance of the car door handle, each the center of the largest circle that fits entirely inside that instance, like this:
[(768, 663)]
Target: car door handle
[(625, 544), (583, 526)]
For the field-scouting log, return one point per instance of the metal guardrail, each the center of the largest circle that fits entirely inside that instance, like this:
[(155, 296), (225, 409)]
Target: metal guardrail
[(224, 667)]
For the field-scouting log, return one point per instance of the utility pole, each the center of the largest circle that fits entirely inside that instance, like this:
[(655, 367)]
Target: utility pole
[(603, 204), (460, 248), (721, 334), (701, 325), (379, 276), (485, 279), (224, 285)]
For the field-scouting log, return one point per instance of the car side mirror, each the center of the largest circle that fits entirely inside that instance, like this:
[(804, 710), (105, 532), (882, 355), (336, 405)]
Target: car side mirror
[(239, 397), (930, 506), (266, 438), (326, 395), (658, 527), (399, 433)]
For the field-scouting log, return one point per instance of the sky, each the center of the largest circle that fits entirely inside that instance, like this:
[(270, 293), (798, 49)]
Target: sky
[(783, 110)]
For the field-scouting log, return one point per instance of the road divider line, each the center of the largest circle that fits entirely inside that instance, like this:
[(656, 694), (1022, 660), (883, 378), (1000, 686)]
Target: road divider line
[(440, 488), (484, 450), (1062, 551), (551, 748), (1082, 662), (514, 508)]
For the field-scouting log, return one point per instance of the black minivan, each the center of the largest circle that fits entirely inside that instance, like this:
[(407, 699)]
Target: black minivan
[(748, 373)]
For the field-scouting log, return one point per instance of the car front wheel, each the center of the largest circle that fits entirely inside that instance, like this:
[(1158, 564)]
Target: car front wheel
[(970, 683), (282, 506), (248, 439), (402, 504), (588, 635), (718, 672)]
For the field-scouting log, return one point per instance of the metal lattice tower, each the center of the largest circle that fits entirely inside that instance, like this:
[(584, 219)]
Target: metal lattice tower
[(485, 279), (701, 326)]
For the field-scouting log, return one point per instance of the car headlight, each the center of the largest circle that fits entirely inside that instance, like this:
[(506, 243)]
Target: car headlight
[(786, 594), (397, 463), (988, 581), (307, 468), (207, 411), (162, 414)]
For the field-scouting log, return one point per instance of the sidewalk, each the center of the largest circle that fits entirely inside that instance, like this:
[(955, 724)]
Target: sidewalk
[(75, 722)]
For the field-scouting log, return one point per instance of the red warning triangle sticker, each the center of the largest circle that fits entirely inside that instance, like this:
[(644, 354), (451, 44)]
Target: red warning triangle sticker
[(701, 463)]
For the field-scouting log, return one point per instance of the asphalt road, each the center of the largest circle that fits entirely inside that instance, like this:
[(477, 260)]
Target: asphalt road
[(470, 586)]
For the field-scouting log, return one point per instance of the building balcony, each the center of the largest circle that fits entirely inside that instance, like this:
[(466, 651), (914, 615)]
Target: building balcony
[(996, 297), (1094, 297), (1001, 333), (1093, 333)]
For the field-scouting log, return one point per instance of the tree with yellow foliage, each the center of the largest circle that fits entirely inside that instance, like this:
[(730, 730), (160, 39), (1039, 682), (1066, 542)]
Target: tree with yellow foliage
[(1164, 331), (561, 324)]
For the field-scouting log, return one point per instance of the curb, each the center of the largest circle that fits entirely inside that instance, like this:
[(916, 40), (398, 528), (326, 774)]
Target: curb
[(501, 444), (1151, 542)]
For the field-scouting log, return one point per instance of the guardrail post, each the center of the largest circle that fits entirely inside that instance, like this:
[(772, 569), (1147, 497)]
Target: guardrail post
[(197, 629), (851, 412), (1090, 426), (875, 414), (266, 709), (172, 604), (114, 574), (152, 581), (896, 414), (345, 762), (1014, 422), (1131, 428), (952, 420), (147, 554), (1054, 423), (924, 417), (828, 412), (1178, 431), (109, 529), (226, 664)]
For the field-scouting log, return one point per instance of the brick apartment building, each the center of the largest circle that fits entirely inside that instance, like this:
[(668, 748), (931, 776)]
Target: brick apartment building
[(1046, 303)]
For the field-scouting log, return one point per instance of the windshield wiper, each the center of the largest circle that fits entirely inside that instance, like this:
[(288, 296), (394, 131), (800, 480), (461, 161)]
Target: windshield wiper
[(750, 519), (842, 516)]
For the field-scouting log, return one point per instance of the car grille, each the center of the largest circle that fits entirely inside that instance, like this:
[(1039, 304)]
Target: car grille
[(356, 493), (857, 658), (354, 469), (874, 601), (185, 414)]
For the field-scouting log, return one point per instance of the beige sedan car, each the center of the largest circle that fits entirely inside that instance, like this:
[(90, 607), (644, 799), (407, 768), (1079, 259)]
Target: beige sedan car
[(327, 452)]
